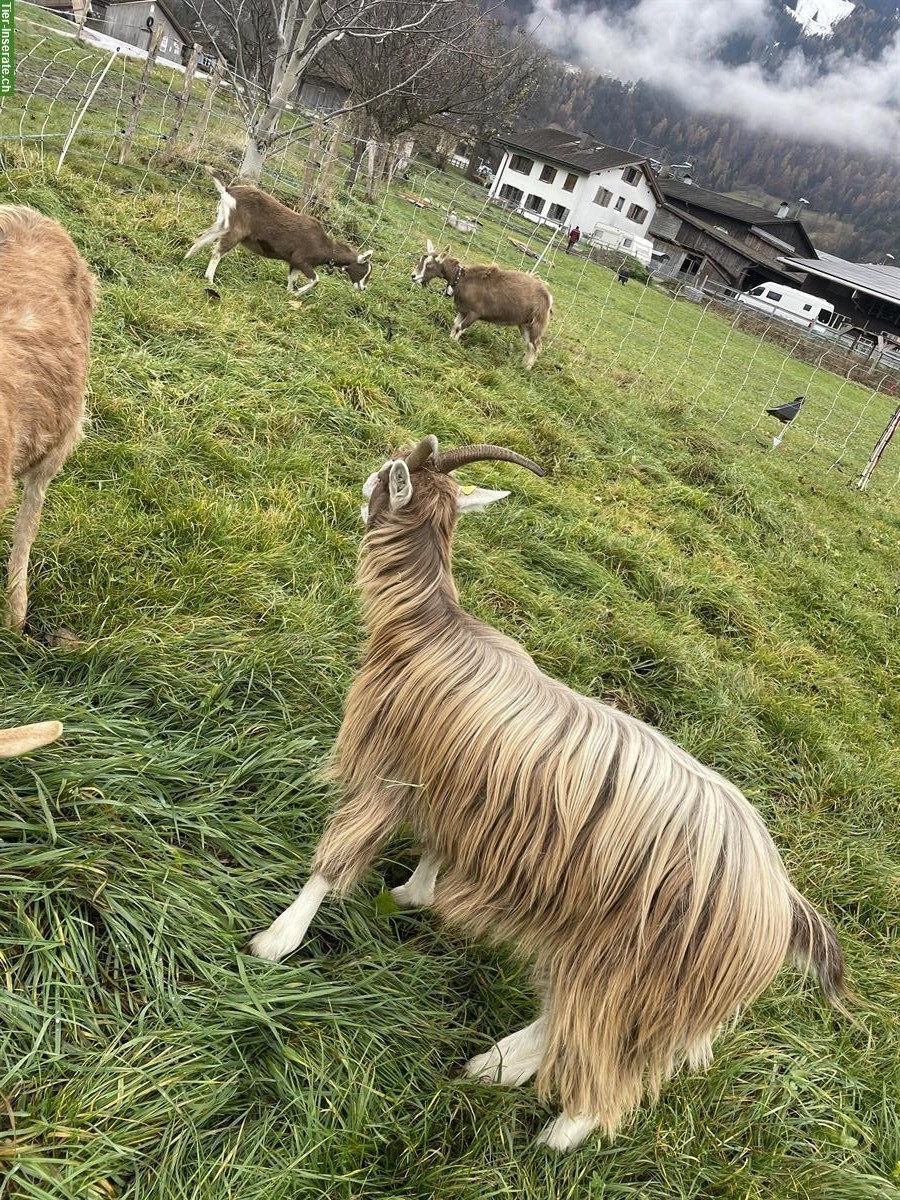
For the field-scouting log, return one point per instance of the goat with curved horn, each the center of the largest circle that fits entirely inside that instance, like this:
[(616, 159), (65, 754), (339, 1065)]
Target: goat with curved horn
[(643, 886)]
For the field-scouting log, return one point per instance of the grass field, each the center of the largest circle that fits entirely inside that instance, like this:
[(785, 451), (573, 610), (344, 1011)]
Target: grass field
[(202, 541)]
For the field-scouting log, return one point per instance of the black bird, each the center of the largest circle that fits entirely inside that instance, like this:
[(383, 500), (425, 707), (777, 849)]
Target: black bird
[(785, 413)]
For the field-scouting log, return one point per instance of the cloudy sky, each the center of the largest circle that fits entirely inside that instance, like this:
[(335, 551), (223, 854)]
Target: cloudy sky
[(673, 43)]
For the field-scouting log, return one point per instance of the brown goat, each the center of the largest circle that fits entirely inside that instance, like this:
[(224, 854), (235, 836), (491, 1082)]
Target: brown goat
[(49, 297), (642, 884), (250, 217), (488, 293)]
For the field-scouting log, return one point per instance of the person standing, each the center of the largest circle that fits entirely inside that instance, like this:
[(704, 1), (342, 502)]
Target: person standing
[(574, 235)]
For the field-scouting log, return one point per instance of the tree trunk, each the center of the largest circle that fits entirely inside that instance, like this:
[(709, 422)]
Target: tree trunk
[(359, 149), (312, 158), (203, 120), (182, 102), (332, 154), (379, 158), (137, 100)]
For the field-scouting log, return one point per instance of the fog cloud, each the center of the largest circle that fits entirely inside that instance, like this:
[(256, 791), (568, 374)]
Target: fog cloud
[(674, 44)]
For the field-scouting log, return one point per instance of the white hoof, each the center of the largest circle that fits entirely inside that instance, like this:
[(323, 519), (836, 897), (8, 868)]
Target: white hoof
[(273, 943), (513, 1060), (484, 1067), (566, 1133), (408, 896)]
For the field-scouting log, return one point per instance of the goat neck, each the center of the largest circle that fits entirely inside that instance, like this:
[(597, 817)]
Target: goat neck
[(451, 270), (405, 574)]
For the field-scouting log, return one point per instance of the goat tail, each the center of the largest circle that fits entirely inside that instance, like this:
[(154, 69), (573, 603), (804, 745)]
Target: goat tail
[(218, 179), (815, 950)]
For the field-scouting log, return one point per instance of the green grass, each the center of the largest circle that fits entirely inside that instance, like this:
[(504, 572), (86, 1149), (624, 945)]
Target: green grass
[(202, 540)]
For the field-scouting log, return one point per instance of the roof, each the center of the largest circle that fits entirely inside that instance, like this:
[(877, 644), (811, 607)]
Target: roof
[(726, 206), (576, 150), (777, 263), (871, 278), (580, 151)]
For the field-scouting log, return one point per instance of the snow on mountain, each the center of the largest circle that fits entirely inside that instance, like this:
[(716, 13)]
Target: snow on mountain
[(817, 18)]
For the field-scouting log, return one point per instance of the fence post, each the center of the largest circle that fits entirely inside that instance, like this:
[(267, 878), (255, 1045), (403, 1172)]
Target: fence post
[(182, 102), (71, 134), (332, 154), (203, 119), (312, 153), (137, 100), (880, 446)]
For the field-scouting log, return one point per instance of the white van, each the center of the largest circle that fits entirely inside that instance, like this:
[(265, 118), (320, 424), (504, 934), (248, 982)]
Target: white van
[(790, 304)]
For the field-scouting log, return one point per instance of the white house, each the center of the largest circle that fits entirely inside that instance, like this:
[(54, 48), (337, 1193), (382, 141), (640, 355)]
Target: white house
[(566, 179)]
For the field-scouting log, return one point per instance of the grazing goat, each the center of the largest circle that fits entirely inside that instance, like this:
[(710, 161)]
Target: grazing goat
[(252, 218), (28, 737), (49, 297), (486, 293), (643, 885)]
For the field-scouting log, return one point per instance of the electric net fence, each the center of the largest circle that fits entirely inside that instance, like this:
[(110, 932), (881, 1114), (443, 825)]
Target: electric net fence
[(137, 122)]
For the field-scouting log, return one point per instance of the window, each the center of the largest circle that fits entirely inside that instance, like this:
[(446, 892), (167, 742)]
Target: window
[(773, 296), (603, 197), (556, 212), (619, 203), (631, 175), (637, 214), (571, 180), (824, 315), (535, 204), (807, 308), (548, 174), (520, 163), (691, 265), (512, 194), (757, 291)]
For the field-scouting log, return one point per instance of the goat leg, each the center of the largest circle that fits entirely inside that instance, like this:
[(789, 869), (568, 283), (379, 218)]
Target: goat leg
[(34, 488), (353, 837)]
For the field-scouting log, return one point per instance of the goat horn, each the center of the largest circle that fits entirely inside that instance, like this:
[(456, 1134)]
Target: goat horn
[(450, 460), (421, 452)]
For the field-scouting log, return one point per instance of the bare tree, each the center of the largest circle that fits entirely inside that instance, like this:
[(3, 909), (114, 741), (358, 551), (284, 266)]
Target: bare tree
[(478, 77), (271, 44)]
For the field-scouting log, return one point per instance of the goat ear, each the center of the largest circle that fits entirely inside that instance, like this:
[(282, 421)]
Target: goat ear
[(400, 485), (28, 737), (365, 256), (429, 247), (476, 499)]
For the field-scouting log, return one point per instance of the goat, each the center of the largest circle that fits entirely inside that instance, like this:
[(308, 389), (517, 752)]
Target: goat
[(488, 293), (250, 217), (20, 740), (48, 308), (643, 885)]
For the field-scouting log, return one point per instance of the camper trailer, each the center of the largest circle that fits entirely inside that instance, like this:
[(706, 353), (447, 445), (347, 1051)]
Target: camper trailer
[(791, 305)]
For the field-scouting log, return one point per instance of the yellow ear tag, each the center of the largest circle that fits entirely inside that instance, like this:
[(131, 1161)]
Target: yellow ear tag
[(467, 491)]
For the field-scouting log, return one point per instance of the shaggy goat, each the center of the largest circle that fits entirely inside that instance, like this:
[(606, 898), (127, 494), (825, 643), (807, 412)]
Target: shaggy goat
[(252, 218), (28, 737), (644, 886), (49, 297), (485, 293)]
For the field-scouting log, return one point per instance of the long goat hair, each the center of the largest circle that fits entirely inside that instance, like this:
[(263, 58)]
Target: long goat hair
[(644, 886)]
